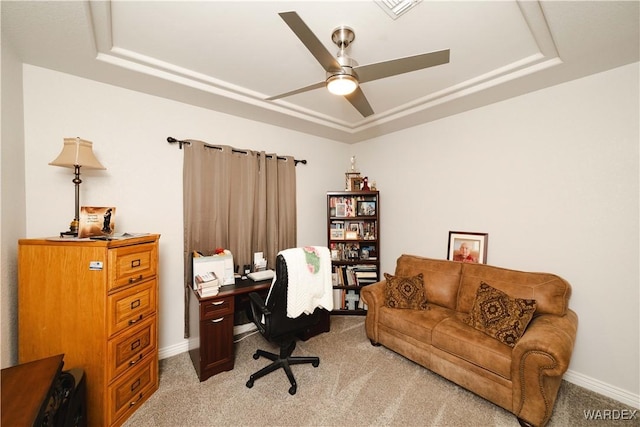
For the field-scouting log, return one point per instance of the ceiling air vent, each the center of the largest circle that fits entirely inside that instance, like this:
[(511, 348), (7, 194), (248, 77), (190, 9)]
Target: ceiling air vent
[(395, 8)]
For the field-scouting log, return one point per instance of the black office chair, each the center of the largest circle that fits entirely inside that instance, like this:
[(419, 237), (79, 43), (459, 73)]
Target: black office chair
[(273, 323)]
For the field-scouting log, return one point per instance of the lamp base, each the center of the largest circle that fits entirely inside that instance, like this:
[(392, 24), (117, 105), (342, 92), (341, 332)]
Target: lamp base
[(73, 230)]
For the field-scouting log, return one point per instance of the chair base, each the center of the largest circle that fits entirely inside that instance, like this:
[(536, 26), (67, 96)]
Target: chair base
[(284, 360)]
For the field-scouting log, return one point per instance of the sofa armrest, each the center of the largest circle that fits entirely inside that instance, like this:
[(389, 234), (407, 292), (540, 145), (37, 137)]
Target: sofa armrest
[(539, 360), (373, 295)]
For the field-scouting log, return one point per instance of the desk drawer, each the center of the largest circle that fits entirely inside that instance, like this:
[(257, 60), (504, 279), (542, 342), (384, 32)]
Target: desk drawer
[(131, 306), (129, 350), (216, 307), (132, 264), (128, 393)]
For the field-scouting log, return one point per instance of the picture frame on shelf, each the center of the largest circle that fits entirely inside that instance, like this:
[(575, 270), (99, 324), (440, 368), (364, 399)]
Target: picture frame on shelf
[(368, 252), (351, 235), (348, 176), (357, 228), (355, 183), (341, 210), (467, 247), (337, 234), (366, 208)]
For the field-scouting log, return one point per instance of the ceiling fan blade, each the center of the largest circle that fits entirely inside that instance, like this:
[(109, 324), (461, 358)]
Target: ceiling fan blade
[(294, 92), (358, 100), (317, 49), (379, 70)]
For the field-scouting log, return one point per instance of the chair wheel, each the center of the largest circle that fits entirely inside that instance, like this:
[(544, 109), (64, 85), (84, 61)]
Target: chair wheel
[(256, 356), (292, 390), (249, 383), (315, 364)]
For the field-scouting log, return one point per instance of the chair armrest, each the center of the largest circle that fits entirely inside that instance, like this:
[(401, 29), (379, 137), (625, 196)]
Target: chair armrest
[(259, 311), (539, 360), (373, 295)]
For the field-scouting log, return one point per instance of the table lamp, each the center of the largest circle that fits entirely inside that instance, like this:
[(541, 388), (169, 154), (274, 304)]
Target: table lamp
[(76, 153)]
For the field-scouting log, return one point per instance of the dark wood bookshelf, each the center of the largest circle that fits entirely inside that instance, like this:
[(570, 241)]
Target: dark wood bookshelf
[(353, 236)]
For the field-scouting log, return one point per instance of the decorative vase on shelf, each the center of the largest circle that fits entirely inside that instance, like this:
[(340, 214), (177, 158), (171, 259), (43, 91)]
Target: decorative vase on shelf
[(365, 184)]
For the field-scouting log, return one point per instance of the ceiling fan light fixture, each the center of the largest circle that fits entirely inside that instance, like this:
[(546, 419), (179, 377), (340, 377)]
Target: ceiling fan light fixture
[(342, 84)]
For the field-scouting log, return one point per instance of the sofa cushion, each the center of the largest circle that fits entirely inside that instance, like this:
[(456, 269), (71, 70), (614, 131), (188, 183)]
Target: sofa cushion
[(405, 292), (415, 324), (456, 338), (551, 292), (500, 316), (441, 277)]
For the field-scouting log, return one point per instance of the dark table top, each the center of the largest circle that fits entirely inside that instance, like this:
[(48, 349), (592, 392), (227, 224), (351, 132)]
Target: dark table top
[(240, 287), (26, 387)]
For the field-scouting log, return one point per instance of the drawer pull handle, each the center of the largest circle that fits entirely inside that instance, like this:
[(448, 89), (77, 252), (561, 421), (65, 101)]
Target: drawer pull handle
[(135, 401), (135, 263), (135, 304), (132, 321), (135, 279), (217, 302), (133, 362), (217, 320), (135, 384), (135, 344)]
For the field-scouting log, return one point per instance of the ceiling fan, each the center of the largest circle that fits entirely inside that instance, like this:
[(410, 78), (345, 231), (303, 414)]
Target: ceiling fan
[(344, 76)]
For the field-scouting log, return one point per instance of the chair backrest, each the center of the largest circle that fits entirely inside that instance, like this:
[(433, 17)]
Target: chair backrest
[(279, 323), (277, 301)]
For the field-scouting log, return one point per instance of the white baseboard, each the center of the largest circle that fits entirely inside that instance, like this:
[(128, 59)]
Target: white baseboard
[(182, 347), (174, 350), (603, 388)]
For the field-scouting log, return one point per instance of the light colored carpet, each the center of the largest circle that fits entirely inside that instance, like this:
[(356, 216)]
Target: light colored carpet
[(356, 384)]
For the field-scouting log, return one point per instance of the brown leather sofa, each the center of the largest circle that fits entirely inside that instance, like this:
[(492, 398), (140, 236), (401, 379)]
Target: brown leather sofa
[(523, 379)]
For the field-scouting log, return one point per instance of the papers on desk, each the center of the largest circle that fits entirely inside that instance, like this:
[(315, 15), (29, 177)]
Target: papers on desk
[(220, 265)]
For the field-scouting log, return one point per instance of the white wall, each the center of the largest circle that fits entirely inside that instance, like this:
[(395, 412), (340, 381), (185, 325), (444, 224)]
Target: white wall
[(144, 173), (553, 177), (12, 201)]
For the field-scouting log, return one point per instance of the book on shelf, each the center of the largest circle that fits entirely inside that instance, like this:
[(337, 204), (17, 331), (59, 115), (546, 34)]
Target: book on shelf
[(352, 300), (338, 299)]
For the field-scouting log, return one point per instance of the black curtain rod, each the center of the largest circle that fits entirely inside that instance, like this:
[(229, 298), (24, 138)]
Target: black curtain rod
[(172, 140)]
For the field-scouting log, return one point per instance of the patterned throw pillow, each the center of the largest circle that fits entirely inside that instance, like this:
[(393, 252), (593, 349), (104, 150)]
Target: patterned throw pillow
[(405, 292), (500, 316)]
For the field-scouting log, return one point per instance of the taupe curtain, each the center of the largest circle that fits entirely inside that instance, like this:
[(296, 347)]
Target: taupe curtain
[(240, 200)]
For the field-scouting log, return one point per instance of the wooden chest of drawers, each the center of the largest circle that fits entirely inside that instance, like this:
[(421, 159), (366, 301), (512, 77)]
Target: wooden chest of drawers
[(96, 302)]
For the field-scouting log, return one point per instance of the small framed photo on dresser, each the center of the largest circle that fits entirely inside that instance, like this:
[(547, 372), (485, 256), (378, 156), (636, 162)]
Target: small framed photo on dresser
[(96, 221)]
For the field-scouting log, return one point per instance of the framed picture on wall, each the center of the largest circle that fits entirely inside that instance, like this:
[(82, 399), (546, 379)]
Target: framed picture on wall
[(468, 247)]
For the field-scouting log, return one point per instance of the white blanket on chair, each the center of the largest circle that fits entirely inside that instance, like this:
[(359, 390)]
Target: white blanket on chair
[(309, 282)]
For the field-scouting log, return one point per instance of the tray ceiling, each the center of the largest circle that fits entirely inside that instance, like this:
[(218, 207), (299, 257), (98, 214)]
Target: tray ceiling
[(231, 56)]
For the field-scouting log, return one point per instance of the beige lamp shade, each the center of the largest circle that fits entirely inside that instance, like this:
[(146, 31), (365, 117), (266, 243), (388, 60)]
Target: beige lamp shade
[(77, 152)]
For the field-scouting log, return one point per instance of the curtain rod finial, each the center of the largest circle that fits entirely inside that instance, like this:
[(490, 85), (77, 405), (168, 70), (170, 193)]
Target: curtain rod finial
[(172, 140)]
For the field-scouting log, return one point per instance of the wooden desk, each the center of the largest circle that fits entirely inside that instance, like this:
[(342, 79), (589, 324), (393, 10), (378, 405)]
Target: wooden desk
[(211, 325)]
